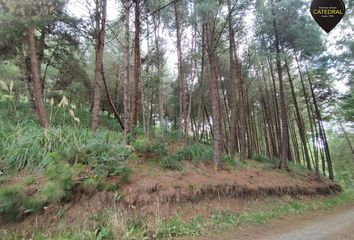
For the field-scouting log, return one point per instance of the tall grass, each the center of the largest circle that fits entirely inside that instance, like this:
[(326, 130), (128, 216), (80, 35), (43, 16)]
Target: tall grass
[(26, 144)]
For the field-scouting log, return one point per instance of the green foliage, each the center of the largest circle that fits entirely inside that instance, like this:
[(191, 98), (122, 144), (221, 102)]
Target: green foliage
[(142, 145), (170, 162), (159, 148), (106, 155), (222, 219), (28, 145), (14, 203), (53, 191), (174, 135), (34, 204), (175, 227), (265, 159), (342, 159), (138, 131), (197, 152), (11, 202), (103, 231), (91, 184), (29, 180), (231, 162), (124, 174)]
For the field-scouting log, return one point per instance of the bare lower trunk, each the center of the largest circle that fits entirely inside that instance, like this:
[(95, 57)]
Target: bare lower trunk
[(145, 100), (26, 76), (136, 102), (284, 157), (181, 79), (127, 76), (36, 78), (214, 92), (300, 122), (100, 31), (322, 131)]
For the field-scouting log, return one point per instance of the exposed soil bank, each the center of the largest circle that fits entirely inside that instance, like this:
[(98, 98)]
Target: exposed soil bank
[(200, 191), (173, 189)]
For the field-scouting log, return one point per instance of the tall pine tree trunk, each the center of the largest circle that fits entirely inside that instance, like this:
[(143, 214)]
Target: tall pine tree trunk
[(322, 131), (214, 92), (36, 78), (100, 17), (299, 121), (284, 157), (136, 102), (127, 99), (232, 95), (26, 76), (181, 79), (158, 66)]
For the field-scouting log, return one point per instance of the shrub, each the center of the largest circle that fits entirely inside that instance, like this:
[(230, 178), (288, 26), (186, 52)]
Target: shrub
[(230, 161), (34, 204), (61, 182), (261, 158), (159, 148), (91, 184), (11, 202), (125, 173), (175, 135), (138, 131), (170, 162), (106, 157), (14, 203), (142, 145), (197, 152)]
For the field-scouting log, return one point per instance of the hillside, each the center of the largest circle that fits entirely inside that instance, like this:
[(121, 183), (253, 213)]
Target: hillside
[(149, 191)]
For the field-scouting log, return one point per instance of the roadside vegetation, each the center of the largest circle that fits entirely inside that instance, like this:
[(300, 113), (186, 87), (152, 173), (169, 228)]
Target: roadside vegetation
[(119, 118), (41, 168)]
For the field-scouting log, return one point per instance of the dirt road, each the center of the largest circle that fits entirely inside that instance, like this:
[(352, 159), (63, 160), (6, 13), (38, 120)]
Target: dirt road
[(337, 224)]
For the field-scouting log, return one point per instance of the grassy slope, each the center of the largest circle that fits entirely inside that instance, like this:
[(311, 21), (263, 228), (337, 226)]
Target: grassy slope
[(50, 155)]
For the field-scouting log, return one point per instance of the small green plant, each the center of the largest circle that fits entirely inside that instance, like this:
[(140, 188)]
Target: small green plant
[(90, 183), (107, 157), (14, 203), (52, 191), (61, 181), (221, 219), (265, 159), (174, 135), (197, 152), (29, 180), (124, 174), (231, 162), (175, 227), (142, 145), (159, 148), (103, 231), (138, 131), (34, 204), (170, 162), (11, 202)]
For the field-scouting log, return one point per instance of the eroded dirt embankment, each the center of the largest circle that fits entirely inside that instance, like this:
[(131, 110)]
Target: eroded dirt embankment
[(242, 184), (160, 194)]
